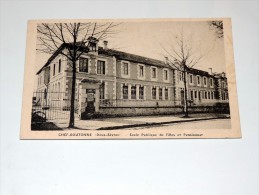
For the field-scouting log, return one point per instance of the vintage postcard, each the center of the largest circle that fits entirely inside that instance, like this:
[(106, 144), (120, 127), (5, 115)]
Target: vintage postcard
[(130, 79)]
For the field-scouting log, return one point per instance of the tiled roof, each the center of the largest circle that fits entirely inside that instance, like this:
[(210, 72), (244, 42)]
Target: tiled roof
[(129, 57), (199, 72), (118, 54), (132, 57)]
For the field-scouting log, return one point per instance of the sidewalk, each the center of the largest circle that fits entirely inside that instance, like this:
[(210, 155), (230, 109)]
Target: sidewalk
[(139, 121)]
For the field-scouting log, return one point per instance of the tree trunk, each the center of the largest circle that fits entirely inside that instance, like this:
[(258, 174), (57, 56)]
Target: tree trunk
[(72, 100), (185, 94)]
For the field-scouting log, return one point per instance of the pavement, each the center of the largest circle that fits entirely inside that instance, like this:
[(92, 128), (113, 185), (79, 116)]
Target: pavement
[(138, 121)]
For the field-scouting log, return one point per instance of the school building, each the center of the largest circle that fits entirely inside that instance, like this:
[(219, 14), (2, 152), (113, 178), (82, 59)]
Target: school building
[(111, 81)]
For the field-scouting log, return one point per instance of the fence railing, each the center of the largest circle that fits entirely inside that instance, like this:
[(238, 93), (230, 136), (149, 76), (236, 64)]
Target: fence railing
[(51, 105)]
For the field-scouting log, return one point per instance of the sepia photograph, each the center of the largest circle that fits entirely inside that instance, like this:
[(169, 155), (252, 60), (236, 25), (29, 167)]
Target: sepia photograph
[(130, 79)]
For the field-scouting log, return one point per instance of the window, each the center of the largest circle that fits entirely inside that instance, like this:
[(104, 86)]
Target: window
[(102, 91), (153, 73), (125, 92), (205, 93), (166, 94), (223, 84), (198, 80), (181, 76), (133, 92), (166, 75), (83, 64), (211, 82), (141, 71), (125, 68), (191, 80), (160, 93), (59, 90), (205, 81), (100, 67), (59, 65), (191, 95), (208, 95), (195, 94), (141, 93), (54, 67), (153, 93)]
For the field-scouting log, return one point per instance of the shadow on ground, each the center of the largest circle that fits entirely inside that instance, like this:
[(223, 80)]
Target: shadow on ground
[(47, 126)]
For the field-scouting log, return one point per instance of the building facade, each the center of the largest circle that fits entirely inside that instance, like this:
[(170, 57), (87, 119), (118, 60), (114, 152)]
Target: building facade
[(111, 78)]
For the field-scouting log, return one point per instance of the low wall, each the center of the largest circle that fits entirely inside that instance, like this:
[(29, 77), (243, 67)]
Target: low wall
[(139, 111), (145, 111)]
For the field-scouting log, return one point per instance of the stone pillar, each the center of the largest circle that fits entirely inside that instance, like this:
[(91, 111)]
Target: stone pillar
[(157, 93), (163, 93), (137, 92), (80, 102), (97, 100), (129, 91)]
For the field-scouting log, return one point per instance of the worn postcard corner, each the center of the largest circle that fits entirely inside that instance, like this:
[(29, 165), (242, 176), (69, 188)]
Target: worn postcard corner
[(130, 79)]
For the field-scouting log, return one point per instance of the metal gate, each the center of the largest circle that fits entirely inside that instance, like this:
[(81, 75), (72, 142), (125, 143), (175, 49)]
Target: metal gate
[(48, 106)]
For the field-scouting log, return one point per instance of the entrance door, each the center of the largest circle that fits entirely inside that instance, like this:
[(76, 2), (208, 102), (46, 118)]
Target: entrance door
[(90, 108)]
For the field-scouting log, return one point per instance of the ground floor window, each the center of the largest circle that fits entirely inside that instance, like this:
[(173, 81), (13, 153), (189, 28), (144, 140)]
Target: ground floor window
[(166, 94), (205, 94), (141, 93), (125, 92), (160, 93), (191, 95), (102, 91), (153, 93), (133, 92)]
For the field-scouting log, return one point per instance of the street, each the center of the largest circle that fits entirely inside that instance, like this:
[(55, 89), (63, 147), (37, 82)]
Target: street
[(205, 124)]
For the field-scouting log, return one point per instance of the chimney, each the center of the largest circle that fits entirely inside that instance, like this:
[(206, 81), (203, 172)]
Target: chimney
[(166, 60), (105, 44), (223, 74), (210, 71)]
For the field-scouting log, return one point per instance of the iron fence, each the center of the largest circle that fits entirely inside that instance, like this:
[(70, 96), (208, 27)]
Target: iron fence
[(51, 106)]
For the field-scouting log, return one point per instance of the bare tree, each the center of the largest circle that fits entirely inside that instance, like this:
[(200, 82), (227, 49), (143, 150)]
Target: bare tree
[(217, 26), (72, 40), (182, 57)]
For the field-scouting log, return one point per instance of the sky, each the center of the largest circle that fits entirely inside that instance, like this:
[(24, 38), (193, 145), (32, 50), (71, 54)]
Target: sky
[(152, 38)]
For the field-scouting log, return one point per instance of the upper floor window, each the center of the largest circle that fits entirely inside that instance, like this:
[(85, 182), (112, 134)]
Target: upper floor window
[(125, 68), (141, 92), (205, 81), (191, 78), (166, 75), (223, 84), (83, 64), (153, 93), (54, 69), (59, 65), (100, 67), (154, 74), (198, 80), (211, 82), (141, 71)]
